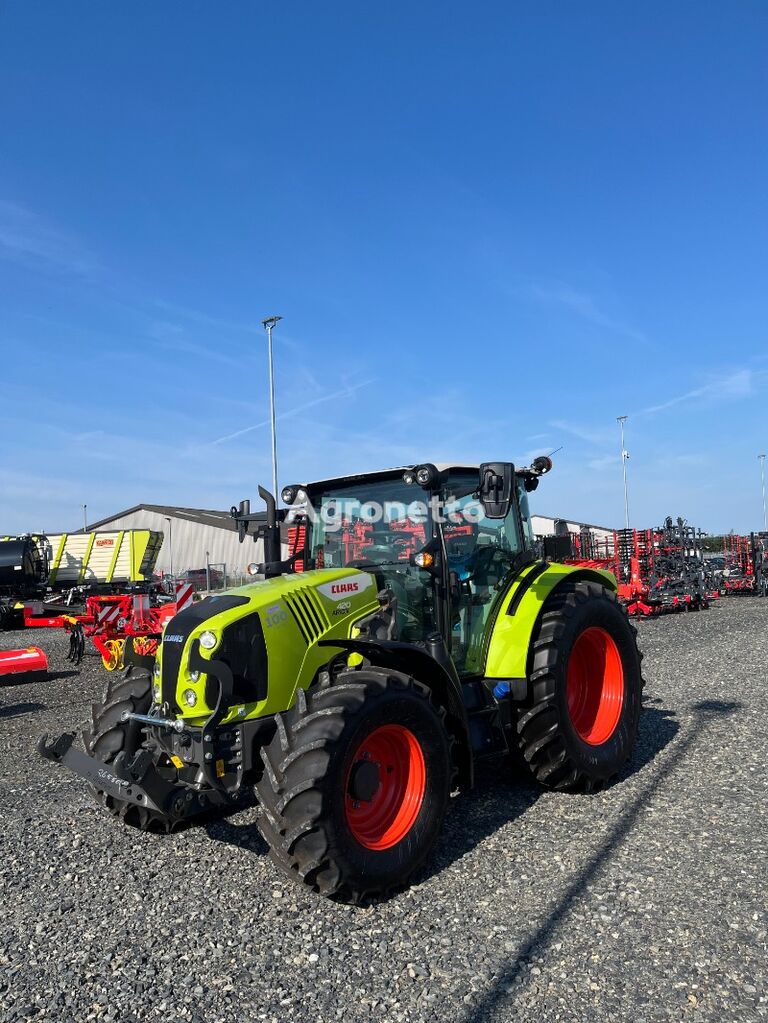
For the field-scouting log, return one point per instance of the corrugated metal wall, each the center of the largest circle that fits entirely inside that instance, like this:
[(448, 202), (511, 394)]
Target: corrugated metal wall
[(543, 525), (190, 542)]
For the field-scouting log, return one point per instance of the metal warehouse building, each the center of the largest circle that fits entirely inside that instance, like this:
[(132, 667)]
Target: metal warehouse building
[(545, 525), (192, 536)]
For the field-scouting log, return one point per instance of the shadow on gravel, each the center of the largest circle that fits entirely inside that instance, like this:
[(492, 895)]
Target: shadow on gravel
[(15, 710), (501, 794), (657, 729), (244, 836), (704, 714), (54, 675), (504, 793)]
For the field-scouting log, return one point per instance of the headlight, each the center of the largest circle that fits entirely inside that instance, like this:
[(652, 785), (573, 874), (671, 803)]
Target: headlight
[(194, 676), (288, 495), (156, 692), (208, 640), (190, 697), (425, 475)]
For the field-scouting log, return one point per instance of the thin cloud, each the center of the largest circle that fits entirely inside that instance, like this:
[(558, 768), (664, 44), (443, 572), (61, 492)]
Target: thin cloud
[(739, 384), (585, 306), (29, 240), (207, 320), (586, 433), (346, 392), (603, 462)]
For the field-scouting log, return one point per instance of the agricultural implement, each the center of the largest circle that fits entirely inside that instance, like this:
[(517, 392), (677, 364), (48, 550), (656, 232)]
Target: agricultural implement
[(28, 665), (739, 565), (759, 544), (657, 570), (112, 622), (356, 695)]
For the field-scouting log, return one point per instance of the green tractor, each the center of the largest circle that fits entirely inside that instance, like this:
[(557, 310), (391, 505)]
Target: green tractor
[(412, 634)]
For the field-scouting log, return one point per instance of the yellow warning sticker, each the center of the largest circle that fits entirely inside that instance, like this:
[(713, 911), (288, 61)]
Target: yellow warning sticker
[(177, 761), (220, 769)]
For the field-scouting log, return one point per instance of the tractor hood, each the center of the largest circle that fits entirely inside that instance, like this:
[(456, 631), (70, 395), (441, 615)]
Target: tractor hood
[(242, 653)]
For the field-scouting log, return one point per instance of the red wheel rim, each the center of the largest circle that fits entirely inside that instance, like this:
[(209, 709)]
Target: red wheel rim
[(595, 686), (385, 787)]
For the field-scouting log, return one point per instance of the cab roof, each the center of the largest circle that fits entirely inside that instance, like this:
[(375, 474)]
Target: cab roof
[(386, 474)]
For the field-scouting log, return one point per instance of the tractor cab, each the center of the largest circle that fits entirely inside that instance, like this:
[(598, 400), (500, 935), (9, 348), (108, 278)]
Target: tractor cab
[(441, 540)]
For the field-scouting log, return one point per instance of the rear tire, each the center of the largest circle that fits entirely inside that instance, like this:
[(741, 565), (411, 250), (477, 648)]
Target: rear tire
[(110, 735), (579, 725), (356, 783)]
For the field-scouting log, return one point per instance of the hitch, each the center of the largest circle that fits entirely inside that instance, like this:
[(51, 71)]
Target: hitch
[(135, 780), (147, 719)]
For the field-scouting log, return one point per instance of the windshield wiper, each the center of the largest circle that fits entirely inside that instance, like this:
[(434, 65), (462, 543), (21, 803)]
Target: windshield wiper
[(359, 563)]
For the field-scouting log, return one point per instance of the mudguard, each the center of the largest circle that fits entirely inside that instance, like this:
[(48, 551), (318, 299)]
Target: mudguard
[(519, 612)]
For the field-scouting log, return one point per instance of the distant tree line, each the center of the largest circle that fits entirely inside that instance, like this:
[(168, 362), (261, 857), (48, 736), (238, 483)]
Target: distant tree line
[(712, 543)]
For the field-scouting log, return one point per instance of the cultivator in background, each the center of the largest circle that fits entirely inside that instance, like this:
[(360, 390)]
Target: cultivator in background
[(114, 621), (759, 544), (658, 570), (738, 564)]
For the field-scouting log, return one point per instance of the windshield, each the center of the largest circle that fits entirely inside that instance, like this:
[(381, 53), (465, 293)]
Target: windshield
[(377, 526), (366, 524)]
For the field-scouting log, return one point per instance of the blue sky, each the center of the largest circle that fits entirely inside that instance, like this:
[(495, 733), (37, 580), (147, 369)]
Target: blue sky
[(490, 229)]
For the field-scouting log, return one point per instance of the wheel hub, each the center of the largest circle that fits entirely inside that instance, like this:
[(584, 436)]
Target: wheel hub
[(364, 780)]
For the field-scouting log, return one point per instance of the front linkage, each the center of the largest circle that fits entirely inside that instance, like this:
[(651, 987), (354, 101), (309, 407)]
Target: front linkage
[(166, 769), (174, 774)]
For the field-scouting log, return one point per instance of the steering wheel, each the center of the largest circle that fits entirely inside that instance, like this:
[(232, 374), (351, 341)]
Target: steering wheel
[(375, 554)]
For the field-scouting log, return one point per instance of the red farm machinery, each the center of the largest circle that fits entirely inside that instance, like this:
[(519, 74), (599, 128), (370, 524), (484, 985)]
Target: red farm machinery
[(113, 622), (738, 570), (658, 570), (760, 562)]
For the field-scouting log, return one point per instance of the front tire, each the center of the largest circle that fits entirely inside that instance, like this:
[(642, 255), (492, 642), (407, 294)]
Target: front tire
[(110, 735), (579, 725), (356, 783)]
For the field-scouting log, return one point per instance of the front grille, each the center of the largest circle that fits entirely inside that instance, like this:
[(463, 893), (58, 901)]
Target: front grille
[(309, 614), (177, 632), (243, 649)]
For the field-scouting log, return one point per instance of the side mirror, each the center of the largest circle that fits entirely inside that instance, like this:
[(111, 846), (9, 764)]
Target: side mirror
[(497, 482)]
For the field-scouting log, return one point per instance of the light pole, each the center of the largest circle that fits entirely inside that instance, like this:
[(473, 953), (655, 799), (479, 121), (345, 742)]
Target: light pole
[(170, 545), (621, 420), (207, 571), (85, 518), (762, 481), (269, 325)]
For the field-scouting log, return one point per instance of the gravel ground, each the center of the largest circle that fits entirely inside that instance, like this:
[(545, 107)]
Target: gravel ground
[(646, 902)]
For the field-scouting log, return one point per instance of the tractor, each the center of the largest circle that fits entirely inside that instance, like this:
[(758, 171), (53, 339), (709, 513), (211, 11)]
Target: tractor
[(354, 697)]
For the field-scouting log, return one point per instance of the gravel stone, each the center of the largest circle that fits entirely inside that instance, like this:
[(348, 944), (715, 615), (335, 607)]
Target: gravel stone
[(645, 902)]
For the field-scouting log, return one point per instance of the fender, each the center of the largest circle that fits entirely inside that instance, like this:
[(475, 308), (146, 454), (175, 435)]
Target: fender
[(440, 677), (519, 613)]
